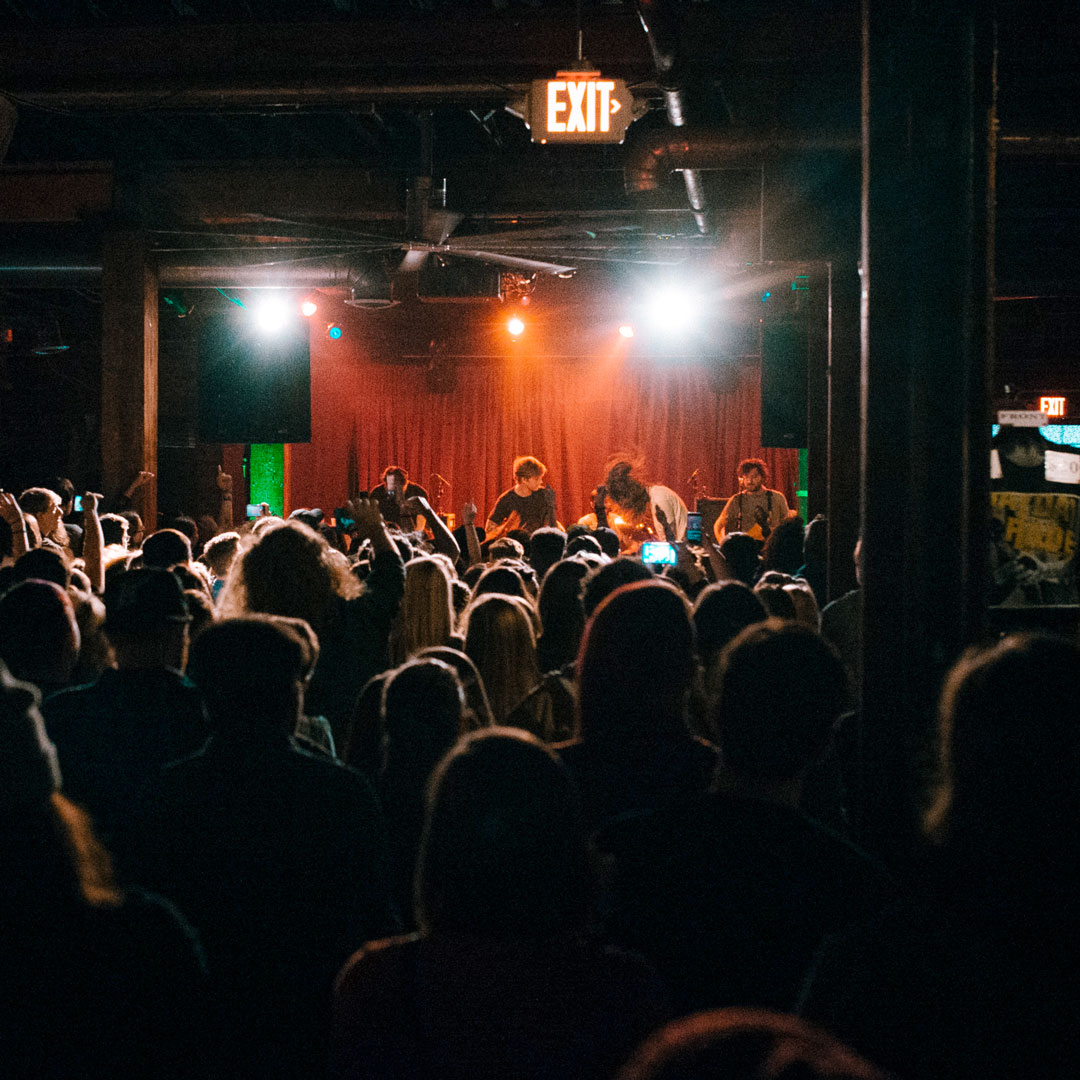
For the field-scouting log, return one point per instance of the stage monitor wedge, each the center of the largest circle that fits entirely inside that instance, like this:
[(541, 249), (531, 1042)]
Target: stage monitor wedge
[(254, 387), (784, 377)]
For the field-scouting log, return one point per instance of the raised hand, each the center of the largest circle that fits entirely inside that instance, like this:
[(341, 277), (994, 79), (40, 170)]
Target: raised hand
[(90, 502), (468, 513), (10, 510), (224, 481), (365, 512)]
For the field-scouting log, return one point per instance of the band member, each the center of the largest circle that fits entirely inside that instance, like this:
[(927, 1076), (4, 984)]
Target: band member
[(392, 494), (639, 513), (754, 509), (528, 505)]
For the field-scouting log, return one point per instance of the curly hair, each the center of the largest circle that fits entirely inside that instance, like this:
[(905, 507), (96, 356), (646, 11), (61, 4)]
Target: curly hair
[(747, 465), (624, 489), (287, 570)]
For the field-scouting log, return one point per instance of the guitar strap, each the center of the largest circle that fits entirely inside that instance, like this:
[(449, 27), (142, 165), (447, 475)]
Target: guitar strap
[(768, 505)]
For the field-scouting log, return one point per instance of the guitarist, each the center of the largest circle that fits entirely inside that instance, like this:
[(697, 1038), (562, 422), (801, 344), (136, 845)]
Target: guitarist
[(638, 512), (528, 505), (755, 509)]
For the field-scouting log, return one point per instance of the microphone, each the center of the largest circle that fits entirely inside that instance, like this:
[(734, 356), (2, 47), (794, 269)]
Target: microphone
[(441, 479)]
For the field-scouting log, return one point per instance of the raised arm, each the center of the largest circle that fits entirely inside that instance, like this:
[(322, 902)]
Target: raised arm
[(11, 512), (472, 541), (93, 542), (225, 500), (444, 541)]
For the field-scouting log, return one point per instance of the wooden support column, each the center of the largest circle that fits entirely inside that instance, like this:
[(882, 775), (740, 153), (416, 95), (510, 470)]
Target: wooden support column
[(129, 370), (842, 508), (927, 262)]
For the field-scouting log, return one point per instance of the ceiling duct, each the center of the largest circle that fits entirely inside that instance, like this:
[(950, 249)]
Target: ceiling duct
[(370, 285), (652, 157), (663, 24)]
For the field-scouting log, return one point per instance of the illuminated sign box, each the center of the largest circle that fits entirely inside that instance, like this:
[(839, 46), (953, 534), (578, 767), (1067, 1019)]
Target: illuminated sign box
[(579, 107), (1053, 406)]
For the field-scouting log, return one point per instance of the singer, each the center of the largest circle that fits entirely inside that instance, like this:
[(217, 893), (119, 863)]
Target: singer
[(392, 494), (528, 505)]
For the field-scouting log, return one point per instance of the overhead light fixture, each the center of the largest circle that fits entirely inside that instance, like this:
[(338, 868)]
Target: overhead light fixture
[(626, 330), (516, 327), (308, 308), (271, 313)]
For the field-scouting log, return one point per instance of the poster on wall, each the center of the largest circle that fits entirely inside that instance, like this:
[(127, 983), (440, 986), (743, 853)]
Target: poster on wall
[(1034, 548)]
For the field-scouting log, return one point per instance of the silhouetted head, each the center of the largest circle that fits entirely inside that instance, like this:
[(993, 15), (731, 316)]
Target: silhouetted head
[(783, 549), (743, 556), (600, 585), (782, 688), (546, 547), (499, 579), (1010, 754), (503, 854), (43, 564), (251, 672), (422, 708), (165, 548), (636, 663), (39, 637), (745, 1044), (477, 709), (722, 611)]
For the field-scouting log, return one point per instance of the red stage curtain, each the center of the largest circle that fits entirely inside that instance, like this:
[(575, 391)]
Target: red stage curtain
[(469, 419)]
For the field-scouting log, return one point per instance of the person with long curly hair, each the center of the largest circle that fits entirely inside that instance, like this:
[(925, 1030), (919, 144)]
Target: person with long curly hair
[(289, 569)]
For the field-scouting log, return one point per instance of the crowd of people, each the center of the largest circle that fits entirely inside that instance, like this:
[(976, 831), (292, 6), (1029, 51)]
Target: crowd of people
[(371, 798)]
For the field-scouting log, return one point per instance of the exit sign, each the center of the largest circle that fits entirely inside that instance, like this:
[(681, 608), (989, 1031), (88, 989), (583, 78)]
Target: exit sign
[(579, 107), (1053, 406)]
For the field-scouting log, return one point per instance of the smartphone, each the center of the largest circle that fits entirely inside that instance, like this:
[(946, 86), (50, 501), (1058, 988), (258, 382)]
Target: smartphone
[(693, 527), (658, 551), (78, 502), (254, 509)]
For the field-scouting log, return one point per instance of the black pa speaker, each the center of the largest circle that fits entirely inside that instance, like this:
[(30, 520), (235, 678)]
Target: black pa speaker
[(784, 374), (254, 385)]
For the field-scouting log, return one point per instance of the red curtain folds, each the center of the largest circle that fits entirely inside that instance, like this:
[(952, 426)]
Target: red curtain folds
[(468, 418)]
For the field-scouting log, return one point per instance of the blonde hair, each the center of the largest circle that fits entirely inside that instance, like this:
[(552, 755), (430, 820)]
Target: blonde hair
[(426, 615), (499, 640), (527, 466)]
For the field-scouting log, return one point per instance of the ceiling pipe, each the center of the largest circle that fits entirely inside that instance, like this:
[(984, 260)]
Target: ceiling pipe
[(63, 272), (662, 22), (652, 157)]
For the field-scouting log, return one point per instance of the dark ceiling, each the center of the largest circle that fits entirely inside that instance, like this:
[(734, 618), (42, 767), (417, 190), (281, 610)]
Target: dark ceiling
[(224, 125)]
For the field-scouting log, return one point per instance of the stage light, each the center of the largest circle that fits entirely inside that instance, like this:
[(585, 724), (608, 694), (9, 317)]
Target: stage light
[(308, 308), (675, 310), (516, 327), (271, 314), (626, 330), (334, 332)]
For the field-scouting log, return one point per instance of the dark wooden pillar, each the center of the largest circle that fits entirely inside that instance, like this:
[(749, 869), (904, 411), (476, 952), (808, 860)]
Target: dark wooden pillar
[(927, 242), (843, 460), (129, 369)]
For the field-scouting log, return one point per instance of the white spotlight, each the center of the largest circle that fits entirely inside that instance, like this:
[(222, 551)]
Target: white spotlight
[(271, 314), (516, 327), (675, 310), (626, 330)]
